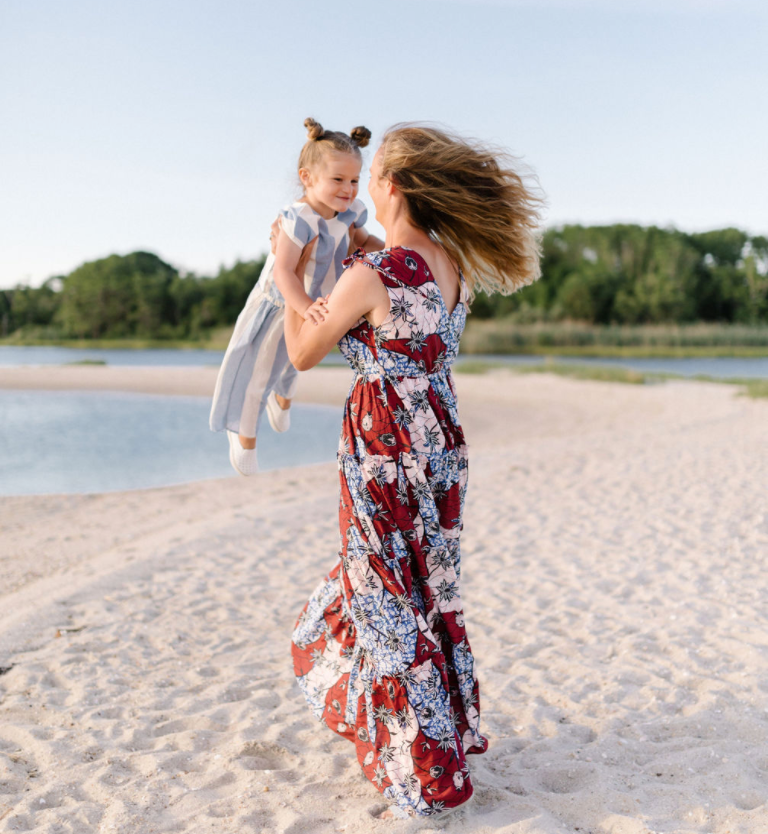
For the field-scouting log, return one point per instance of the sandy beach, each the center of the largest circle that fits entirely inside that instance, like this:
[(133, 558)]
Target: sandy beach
[(614, 558)]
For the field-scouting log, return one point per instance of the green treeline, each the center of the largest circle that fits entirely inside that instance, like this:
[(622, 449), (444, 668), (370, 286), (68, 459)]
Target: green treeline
[(128, 296), (599, 275), (627, 274)]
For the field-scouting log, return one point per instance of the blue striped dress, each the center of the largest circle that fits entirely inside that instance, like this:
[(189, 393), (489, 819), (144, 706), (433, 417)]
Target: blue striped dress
[(256, 362)]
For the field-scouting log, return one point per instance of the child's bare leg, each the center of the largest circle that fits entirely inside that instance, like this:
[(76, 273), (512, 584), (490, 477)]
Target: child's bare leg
[(283, 402), (247, 442)]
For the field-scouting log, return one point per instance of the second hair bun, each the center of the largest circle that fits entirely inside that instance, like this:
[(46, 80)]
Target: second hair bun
[(360, 136)]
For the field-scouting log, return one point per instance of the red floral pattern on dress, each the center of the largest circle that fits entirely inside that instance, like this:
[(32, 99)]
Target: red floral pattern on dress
[(380, 650)]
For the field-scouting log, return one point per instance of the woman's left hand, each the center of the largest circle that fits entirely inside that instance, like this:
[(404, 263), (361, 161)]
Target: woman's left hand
[(317, 311)]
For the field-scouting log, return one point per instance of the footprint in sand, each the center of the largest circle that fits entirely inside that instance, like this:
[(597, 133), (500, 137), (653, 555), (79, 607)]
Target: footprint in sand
[(110, 713), (11, 787), (580, 733), (566, 780), (257, 755), (379, 811), (235, 694), (266, 699), (222, 781), (748, 800), (181, 725)]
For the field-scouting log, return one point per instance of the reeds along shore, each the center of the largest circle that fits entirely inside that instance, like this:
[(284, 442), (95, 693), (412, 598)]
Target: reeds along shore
[(507, 336), (510, 336)]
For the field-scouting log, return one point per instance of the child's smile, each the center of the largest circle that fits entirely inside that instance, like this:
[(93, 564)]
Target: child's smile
[(332, 187)]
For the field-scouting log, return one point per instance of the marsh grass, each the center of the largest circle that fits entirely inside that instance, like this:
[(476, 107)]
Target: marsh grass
[(599, 373), (120, 344), (756, 388), (575, 371), (504, 336), (216, 338)]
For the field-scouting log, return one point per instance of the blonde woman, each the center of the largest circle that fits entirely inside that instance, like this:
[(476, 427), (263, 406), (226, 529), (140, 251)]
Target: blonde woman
[(381, 650)]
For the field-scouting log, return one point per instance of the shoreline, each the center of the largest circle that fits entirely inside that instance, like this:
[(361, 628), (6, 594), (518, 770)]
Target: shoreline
[(488, 336), (325, 385)]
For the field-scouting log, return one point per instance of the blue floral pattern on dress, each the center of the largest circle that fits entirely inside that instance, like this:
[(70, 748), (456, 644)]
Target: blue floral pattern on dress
[(380, 650)]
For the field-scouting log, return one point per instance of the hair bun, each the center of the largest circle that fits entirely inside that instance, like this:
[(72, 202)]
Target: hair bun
[(360, 136), (314, 129)]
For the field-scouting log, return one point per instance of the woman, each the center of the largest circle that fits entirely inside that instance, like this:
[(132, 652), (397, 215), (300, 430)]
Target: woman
[(380, 650)]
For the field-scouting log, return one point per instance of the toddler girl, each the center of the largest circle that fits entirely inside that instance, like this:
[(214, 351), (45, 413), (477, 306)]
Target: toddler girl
[(256, 373)]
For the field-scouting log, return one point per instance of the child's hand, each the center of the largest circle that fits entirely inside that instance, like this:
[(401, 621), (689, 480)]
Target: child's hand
[(317, 311), (358, 238)]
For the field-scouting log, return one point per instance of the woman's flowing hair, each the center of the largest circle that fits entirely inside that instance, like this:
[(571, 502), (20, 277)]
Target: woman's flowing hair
[(477, 201)]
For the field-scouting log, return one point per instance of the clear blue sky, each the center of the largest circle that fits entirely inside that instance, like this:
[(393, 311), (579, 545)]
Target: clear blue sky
[(175, 126)]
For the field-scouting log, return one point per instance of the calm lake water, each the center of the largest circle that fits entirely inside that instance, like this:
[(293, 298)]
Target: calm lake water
[(74, 442), (719, 367), (11, 355)]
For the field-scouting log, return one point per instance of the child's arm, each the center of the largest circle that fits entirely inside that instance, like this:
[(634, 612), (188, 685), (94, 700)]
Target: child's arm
[(362, 237), (287, 256)]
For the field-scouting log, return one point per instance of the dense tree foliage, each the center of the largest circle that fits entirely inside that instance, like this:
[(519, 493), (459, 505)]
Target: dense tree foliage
[(621, 274), (636, 275), (136, 295)]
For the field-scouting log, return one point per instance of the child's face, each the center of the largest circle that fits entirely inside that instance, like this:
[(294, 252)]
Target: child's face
[(334, 182)]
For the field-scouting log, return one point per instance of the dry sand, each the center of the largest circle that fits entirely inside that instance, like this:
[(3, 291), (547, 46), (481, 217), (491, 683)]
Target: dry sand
[(614, 560)]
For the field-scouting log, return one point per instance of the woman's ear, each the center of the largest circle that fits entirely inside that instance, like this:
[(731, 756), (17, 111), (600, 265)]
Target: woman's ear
[(391, 185), (306, 177)]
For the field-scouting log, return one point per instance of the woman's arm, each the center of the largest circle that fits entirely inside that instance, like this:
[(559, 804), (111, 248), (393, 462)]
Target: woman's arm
[(359, 292)]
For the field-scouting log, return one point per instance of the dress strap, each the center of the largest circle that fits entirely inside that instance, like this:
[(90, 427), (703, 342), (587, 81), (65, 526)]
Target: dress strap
[(379, 262)]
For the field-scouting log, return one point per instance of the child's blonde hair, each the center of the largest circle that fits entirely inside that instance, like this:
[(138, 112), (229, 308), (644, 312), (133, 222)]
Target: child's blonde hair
[(321, 141), (468, 197)]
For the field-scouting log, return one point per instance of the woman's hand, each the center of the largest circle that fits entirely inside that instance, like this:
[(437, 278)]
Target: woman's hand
[(317, 311)]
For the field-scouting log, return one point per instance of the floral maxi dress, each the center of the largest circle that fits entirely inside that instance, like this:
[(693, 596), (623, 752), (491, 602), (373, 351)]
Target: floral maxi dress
[(380, 650)]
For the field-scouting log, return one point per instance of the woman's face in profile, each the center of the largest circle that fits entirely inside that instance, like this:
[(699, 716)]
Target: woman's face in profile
[(377, 185)]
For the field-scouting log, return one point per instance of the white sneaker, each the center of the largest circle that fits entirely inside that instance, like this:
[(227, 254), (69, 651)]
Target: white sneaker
[(243, 460), (279, 418)]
